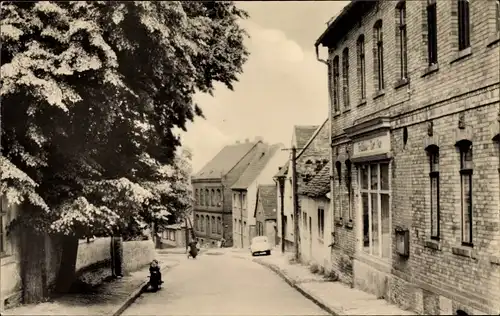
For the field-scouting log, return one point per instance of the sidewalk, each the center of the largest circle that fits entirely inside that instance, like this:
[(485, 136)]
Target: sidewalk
[(334, 297), (108, 299)]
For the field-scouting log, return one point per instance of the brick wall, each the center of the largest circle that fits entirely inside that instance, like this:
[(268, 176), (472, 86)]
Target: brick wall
[(439, 277)]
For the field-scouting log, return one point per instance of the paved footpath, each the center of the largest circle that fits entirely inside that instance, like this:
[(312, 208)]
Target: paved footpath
[(108, 299), (334, 297)]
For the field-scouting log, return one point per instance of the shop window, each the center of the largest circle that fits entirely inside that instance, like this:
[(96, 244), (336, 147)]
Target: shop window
[(375, 207), (321, 223), (432, 49), (345, 77), (463, 24), (433, 153), (379, 55), (466, 167), (336, 85), (360, 45), (403, 46)]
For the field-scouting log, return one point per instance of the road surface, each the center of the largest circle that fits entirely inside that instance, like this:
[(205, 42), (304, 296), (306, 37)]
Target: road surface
[(220, 284)]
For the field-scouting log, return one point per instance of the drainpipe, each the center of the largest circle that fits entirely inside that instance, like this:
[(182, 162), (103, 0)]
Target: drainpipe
[(332, 195)]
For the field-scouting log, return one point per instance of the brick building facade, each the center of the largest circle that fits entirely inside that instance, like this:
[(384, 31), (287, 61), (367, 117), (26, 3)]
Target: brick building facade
[(212, 209), (415, 111)]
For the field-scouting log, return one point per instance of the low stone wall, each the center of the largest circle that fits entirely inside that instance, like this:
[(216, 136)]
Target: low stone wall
[(137, 254), (90, 253)]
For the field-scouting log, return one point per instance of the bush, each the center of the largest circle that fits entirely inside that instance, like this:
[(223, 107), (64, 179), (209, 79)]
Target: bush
[(331, 276), (314, 268)]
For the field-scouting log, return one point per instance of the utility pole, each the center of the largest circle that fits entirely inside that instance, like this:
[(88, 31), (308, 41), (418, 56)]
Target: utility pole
[(281, 183), (295, 204)]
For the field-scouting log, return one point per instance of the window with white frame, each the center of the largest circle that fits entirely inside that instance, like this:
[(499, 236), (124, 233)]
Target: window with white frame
[(375, 209), (466, 167), (321, 222)]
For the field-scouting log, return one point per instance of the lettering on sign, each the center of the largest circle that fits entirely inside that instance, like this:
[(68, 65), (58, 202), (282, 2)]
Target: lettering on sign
[(373, 146)]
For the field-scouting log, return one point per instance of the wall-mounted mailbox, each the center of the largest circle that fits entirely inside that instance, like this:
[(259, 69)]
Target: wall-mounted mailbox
[(402, 242)]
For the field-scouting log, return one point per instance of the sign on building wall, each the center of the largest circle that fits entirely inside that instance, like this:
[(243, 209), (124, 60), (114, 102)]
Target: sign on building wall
[(377, 145)]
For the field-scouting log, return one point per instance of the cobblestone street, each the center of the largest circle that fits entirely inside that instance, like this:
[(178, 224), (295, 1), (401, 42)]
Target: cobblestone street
[(217, 283)]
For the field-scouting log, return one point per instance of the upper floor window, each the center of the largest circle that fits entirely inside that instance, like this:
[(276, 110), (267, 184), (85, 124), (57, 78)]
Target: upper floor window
[(336, 79), (463, 24), (403, 48), (360, 45), (466, 167), (244, 201), (433, 153), (212, 198), (345, 77), (202, 197), (219, 225), (379, 55), (196, 197), (432, 51), (207, 197), (219, 197), (321, 223), (338, 211)]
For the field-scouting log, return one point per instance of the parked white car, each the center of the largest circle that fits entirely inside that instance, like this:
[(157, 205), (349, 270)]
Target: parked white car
[(260, 245)]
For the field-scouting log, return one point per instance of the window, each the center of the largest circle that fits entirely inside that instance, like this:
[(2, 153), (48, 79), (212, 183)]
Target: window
[(465, 149), (345, 77), (375, 196), (202, 197), (336, 79), (219, 225), (212, 197), (338, 167), (433, 153), (244, 201), (403, 40), (219, 197), (379, 55), (285, 225), (432, 50), (214, 227), (361, 66), (207, 222), (321, 223), (207, 197), (348, 176), (463, 24), (202, 223)]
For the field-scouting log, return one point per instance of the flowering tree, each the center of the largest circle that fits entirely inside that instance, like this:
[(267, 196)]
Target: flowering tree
[(91, 93)]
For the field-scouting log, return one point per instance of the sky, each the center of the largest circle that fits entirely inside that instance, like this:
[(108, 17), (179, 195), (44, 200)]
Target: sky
[(282, 83)]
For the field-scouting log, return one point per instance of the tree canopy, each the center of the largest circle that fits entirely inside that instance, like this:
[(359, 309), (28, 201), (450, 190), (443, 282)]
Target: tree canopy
[(91, 94)]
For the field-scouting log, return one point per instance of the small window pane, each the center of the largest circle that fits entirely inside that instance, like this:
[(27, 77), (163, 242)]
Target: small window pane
[(374, 177), (374, 226), (384, 176), (386, 231), (364, 177), (366, 227)]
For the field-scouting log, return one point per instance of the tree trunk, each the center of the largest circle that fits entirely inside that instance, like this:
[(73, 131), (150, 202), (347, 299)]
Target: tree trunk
[(66, 275), (33, 273), (116, 256)]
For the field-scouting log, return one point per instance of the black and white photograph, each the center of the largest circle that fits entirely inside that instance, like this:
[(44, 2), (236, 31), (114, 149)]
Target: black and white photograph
[(250, 158)]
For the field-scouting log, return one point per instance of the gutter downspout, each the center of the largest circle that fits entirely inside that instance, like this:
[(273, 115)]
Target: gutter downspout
[(330, 128)]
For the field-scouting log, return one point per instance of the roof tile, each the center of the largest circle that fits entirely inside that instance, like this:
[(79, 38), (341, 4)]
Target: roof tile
[(267, 195), (255, 167), (303, 133)]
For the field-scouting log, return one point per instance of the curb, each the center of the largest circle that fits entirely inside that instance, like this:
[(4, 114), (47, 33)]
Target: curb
[(141, 289), (299, 288)]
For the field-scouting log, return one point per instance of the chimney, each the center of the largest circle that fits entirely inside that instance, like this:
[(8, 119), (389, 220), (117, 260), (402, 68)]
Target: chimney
[(259, 139)]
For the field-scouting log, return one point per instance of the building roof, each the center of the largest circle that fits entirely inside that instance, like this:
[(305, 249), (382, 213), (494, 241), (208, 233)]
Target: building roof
[(267, 195), (350, 15), (283, 170), (303, 133), (255, 167), (225, 160), (319, 185), (312, 137)]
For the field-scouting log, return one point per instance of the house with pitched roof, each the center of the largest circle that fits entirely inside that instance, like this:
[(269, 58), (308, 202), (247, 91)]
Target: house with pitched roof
[(266, 212), (212, 209), (312, 154), (316, 226), (260, 171)]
